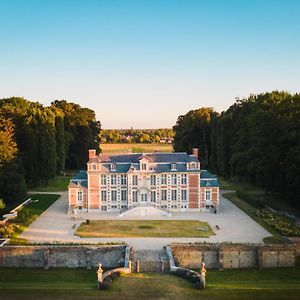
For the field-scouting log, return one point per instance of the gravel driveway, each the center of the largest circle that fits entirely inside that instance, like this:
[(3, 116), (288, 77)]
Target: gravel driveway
[(56, 225)]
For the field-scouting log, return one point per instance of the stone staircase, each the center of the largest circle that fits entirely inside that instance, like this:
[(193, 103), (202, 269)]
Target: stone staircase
[(150, 261)]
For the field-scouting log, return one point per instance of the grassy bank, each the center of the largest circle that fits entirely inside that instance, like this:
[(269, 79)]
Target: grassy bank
[(58, 184), (29, 214), (81, 284), (135, 148), (170, 228)]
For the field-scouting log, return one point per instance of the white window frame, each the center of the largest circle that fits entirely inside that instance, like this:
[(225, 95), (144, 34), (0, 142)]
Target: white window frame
[(103, 179), (113, 196), (113, 179), (164, 179), (103, 195), (134, 196), (183, 195), (134, 180), (153, 180), (153, 196), (123, 193), (123, 179), (80, 196), (174, 179), (174, 195), (164, 195), (173, 167), (183, 178)]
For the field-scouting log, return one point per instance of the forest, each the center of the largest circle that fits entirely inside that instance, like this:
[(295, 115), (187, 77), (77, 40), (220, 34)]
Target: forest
[(256, 140), (37, 142), (162, 135)]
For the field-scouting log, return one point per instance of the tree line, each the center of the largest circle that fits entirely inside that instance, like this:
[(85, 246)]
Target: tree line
[(37, 142), (163, 135), (257, 140)]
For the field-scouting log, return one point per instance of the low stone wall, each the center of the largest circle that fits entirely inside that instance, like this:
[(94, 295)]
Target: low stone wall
[(234, 256), (62, 256)]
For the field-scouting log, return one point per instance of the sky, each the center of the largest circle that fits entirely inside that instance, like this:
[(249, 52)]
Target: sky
[(143, 63)]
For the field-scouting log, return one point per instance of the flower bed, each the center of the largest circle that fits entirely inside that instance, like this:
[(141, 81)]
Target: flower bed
[(279, 223)]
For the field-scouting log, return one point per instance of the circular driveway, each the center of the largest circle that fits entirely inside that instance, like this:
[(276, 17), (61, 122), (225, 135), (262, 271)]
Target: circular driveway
[(55, 225)]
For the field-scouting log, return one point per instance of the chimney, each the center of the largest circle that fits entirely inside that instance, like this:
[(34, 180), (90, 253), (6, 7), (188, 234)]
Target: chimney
[(92, 153), (196, 152)]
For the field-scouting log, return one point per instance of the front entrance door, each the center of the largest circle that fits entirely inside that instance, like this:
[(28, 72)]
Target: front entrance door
[(144, 198)]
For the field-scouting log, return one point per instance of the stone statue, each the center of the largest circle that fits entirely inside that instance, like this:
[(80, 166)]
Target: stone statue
[(203, 273), (99, 274)]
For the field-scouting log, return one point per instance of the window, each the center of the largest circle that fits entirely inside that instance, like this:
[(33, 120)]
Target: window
[(103, 195), (113, 179), (183, 179), (144, 197), (113, 195), (164, 179), (79, 196), (123, 179), (103, 179), (93, 167), (134, 180), (153, 180), (174, 195), (207, 195), (103, 208), (183, 195), (144, 167), (173, 167), (123, 195), (112, 167), (134, 196), (173, 179), (153, 196), (163, 195)]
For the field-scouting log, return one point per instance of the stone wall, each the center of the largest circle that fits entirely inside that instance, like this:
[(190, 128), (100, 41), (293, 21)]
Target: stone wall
[(234, 256), (62, 256)]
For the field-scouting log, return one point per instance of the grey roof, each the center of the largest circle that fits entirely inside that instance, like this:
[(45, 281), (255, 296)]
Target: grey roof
[(208, 180), (155, 157), (80, 179)]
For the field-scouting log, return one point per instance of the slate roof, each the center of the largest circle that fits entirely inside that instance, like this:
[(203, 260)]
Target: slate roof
[(155, 157), (208, 180), (79, 179)]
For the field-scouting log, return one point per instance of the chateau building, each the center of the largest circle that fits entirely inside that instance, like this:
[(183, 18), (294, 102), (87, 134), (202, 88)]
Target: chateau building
[(170, 181)]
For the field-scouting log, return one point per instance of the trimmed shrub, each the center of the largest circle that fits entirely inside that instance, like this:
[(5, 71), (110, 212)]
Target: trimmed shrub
[(253, 200)]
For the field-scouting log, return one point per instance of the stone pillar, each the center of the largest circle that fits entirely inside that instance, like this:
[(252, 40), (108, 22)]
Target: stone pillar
[(259, 258), (88, 259), (221, 259), (46, 259), (137, 267)]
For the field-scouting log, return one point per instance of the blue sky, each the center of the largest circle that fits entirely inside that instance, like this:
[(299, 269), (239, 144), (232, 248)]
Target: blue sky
[(144, 63)]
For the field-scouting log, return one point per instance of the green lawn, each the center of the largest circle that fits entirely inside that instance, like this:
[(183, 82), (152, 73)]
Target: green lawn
[(58, 184), (170, 228), (30, 212), (81, 284), (135, 148)]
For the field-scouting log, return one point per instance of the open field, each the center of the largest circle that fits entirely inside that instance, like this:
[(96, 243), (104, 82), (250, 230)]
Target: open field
[(81, 284), (58, 184), (122, 228), (135, 148)]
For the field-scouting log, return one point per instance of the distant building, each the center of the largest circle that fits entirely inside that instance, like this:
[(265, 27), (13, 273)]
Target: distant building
[(171, 181)]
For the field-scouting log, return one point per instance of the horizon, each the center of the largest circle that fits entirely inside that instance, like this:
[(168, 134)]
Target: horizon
[(142, 63)]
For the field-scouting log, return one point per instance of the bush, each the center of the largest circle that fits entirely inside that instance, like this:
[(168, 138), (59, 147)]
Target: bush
[(253, 200), (8, 230)]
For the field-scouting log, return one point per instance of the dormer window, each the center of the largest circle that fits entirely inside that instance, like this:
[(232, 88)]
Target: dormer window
[(144, 167), (112, 167), (173, 167)]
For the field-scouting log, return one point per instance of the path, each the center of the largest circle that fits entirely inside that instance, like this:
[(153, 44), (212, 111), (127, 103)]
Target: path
[(56, 225)]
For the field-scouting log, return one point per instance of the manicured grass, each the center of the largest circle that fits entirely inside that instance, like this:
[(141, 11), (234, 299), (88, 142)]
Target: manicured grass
[(58, 184), (135, 148), (251, 212), (30, 212), (234, 185), (81, 284), (170, 228)]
